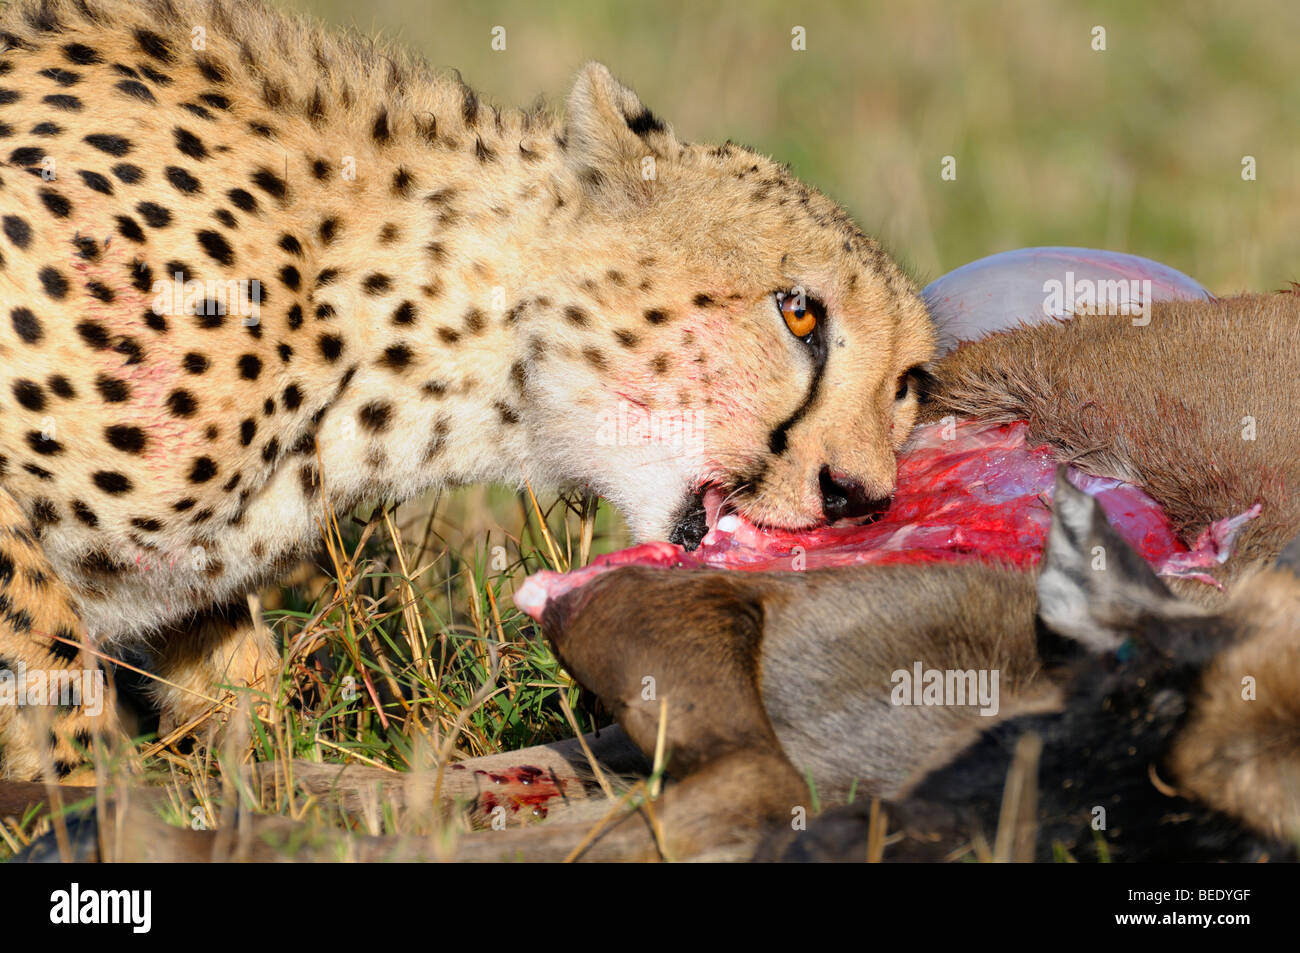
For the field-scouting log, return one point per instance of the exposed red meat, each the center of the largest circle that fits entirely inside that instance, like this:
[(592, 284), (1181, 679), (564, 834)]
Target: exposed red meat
[(967, 490)]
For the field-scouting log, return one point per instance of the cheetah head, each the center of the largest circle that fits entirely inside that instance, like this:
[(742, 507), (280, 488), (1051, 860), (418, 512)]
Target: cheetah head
[(737, 345)]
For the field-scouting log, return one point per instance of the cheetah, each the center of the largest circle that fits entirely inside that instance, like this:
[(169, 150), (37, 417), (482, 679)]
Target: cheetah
[(249, 268)]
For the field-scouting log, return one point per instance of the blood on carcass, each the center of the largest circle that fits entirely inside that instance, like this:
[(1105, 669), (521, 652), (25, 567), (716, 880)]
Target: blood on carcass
[(523, 787), (967, 490)]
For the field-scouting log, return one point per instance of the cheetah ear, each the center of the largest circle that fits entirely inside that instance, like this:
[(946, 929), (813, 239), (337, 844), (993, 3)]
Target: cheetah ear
[(610, 132)]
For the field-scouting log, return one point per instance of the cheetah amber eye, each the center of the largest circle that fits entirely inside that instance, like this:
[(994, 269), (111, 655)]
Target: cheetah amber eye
[(799, 312)]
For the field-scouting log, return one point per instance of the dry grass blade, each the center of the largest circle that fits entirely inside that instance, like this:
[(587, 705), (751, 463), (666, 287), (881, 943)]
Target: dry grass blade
[(1018, 819)]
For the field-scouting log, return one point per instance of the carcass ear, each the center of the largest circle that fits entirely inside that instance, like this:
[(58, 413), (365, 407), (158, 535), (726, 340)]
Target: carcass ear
[(1290, 558), (1093, 587), (610, 132)]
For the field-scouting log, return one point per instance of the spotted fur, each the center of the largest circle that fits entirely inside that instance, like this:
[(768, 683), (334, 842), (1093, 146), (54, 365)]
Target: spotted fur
[(445, 293)]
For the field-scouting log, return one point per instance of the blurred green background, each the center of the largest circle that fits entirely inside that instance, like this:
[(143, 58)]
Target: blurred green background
[(1138, 148)]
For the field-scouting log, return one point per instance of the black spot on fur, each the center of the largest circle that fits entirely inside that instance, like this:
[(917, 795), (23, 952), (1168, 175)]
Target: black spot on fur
[(27, 155), (130, 229), (29, 394), (182, 181), (195, 363), (247, 430), (65, 102), (404, 314), (189, 144), (242, 200), (137, 90), (212, 71), (376, 416), (307, 479), (85, 514), (402, 182), (96, 182), (113, 145), (128, 173), (81, 54), (644, 122), (380, 131), (154, 215), (17, 231), (112, 390), (216, 247), (100, 291), (125, 438), (154, 45), (26, 325), (376, 284), (203, 470), (64, 77), (112, 482), (87, 248), (56, 203), (331, 346), (250, 366), (61, 386), (270, 183), (468, 106), (130, 348), (397, 357), (141, 277), (181, 403)]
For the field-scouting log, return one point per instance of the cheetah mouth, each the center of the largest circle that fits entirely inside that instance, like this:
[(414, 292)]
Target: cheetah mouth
[(707, 516), (698, 515)]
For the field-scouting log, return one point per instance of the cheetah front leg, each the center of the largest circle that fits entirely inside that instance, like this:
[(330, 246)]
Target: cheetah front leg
[(202, 662), (54, 698)]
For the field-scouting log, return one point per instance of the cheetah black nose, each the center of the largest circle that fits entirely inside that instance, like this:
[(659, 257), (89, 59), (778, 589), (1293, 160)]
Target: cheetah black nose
[(843, 497)]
